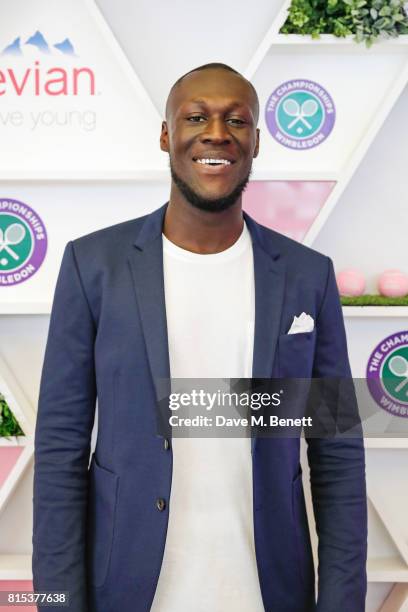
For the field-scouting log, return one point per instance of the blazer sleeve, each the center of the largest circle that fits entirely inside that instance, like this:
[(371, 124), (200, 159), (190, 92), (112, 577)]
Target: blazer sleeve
[(337, 472), (66, 411)]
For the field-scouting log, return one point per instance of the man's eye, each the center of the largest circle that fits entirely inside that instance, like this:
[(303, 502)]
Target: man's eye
[(236, 121), (200, 118)]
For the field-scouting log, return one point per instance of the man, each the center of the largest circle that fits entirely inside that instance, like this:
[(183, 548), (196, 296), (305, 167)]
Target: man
[(196, 290)]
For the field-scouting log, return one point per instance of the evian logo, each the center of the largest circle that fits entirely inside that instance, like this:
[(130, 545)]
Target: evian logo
[(39, 79)]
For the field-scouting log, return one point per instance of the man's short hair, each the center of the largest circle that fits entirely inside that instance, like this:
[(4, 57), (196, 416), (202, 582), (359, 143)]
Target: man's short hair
[(210, 66)]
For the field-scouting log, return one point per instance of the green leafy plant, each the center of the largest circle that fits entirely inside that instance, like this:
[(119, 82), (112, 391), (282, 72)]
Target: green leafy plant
[(374, 300), (367, 20), (8, 423)]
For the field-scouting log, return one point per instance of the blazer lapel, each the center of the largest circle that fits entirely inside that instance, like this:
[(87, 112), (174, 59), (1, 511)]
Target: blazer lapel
[(269, 290), (270, 272), (146, 265)]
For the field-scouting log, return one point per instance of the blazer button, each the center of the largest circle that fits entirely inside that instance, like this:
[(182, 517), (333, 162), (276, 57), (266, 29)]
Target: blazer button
[(166, 444), (160, 504)]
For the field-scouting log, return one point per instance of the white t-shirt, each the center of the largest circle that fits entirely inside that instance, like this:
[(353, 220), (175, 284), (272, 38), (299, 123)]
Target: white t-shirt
[(209, 562)]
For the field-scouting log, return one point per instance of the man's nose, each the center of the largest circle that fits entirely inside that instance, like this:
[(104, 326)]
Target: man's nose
[(216, 131)]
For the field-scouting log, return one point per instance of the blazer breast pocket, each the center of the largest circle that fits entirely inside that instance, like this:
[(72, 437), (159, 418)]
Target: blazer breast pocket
[(296, 354), (103, 485)]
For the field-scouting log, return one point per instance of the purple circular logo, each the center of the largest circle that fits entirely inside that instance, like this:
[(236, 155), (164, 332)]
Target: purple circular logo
[(23, 242), (300, 114), (387, 374)]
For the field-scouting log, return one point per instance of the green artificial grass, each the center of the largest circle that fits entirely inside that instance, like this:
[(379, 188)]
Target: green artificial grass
[(8, 423), (374, 300)]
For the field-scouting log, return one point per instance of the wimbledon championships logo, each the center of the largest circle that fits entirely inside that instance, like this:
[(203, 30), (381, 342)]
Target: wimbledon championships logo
[(23, 242), (387, 374), (300, 114)]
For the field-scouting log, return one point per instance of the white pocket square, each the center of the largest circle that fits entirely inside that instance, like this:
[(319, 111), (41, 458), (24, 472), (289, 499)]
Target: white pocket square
[(302, 323)]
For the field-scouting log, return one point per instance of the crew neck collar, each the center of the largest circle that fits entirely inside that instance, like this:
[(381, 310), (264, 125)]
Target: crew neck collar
[(231, 252)]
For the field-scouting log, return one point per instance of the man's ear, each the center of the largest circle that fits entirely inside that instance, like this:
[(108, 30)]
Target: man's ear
[(256, 150), (164, 137)]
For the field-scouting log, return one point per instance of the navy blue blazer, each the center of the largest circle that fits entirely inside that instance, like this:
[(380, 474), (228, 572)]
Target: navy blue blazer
[(100, 530)]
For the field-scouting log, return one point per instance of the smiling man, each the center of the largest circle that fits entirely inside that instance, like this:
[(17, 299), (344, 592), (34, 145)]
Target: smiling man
[(197, 289)]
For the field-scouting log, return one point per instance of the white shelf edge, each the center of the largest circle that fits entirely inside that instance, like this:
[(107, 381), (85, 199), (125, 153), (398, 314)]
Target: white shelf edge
[(25, 308), (15, 567), (153, 174), (330, 39), (387, 570), (15, 441), (387, 443), (44, 308), (160, 176), (375, 311)]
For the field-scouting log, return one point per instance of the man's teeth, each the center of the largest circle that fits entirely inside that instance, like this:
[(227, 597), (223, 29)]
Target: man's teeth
[(214, 161)]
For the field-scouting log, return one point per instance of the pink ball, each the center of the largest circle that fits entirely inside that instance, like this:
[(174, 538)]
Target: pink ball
[(351, 282), (393, 283)]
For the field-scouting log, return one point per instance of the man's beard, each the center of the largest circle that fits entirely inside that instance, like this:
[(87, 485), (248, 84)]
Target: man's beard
[(209, 204)]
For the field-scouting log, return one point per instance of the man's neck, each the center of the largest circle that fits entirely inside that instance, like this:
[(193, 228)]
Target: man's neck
[(200, 231)]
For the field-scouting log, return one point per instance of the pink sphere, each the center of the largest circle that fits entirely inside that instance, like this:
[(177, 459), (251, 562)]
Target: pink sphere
[(351, 282), (393, 283)]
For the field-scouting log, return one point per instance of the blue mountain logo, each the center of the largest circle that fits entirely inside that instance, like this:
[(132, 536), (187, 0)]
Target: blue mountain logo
[(14, 48), (38, 40)]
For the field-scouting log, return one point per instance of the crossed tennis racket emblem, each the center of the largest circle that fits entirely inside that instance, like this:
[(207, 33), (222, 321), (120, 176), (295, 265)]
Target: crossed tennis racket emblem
[(399, 367), (308, 108), (13, 235)]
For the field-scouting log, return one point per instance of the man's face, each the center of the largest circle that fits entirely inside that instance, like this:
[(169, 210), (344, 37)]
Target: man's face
[(211, 115)]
